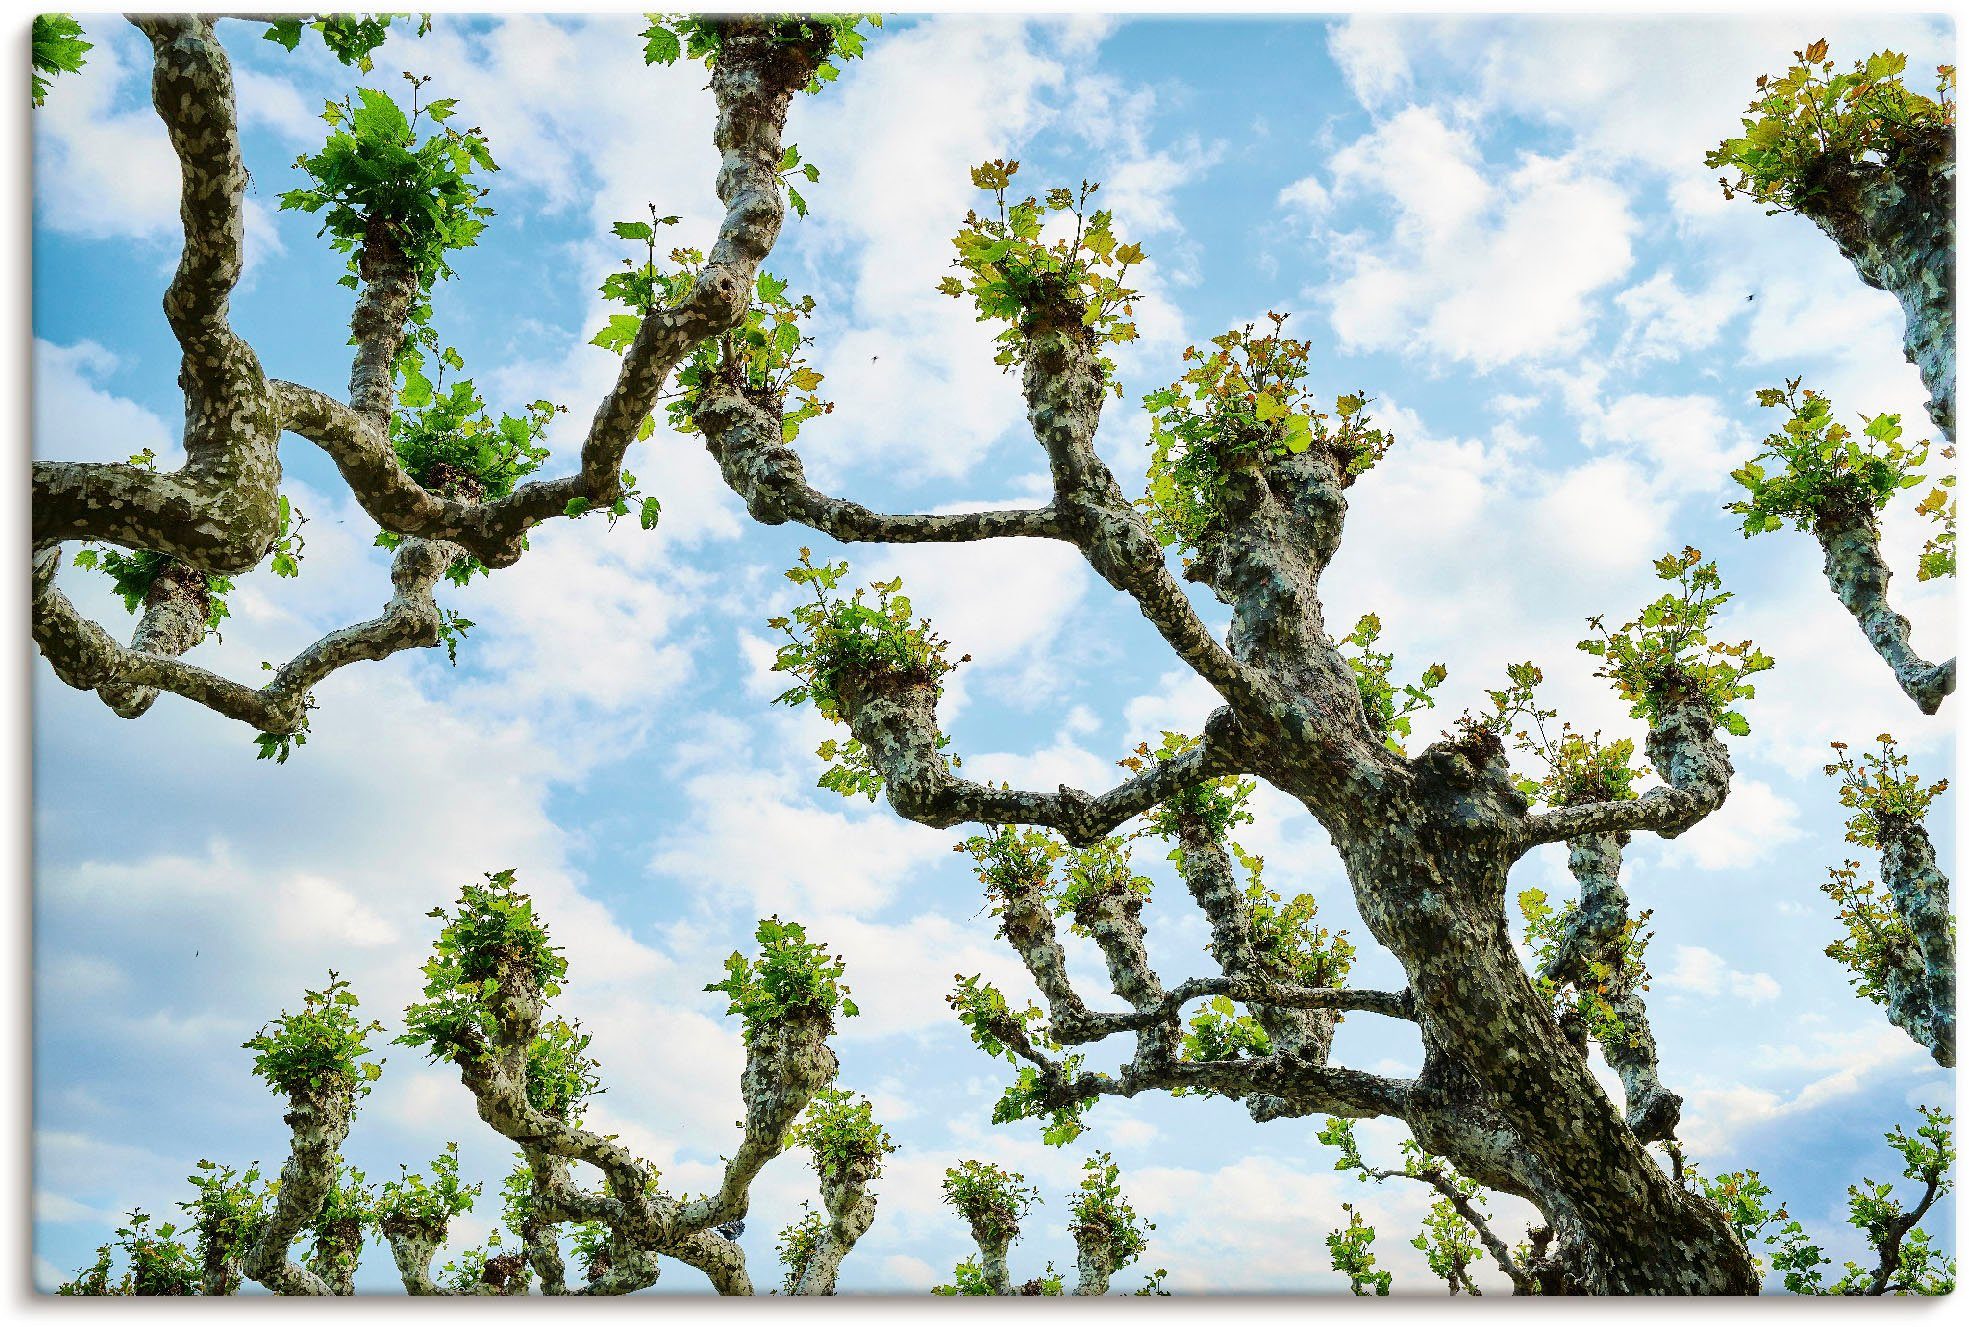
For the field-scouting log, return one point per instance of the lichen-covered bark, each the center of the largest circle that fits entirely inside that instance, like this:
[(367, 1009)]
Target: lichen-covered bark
[(175, 610), (1896, 225), (1427, 842), (320, 1122), (1859, 576), (220, 512), (1921, 991), (86, 656), (1592, 955)]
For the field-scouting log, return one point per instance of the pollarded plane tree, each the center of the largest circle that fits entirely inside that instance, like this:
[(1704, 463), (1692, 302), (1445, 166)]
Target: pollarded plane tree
[(994, 1202), (1871, 163), (488, 983), (1248, 480), (398, 188)]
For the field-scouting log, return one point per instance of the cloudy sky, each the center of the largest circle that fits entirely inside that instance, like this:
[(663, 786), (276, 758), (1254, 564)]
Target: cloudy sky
[(1503, 229)]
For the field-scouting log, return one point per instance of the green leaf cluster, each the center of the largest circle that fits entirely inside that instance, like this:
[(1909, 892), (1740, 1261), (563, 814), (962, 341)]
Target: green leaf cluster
[(1285, 935), (57, 48), (1810, 116), (1351, 1250), (450, 443), (1830, 478), (377, 179), (155, 1263), (793, 978), (993, 1200), (1664, 659), (833, 38), (1100, 1208), (1240, 406), (1095, 874), (493, 940), (1583, 1004), (415, 1202), (833, 637), (1578, 768), (1216, 806), (839, 1128), (133, 573), (322, 1048), (1884, 794), (1013, 274), (1390, 709), (350, 38)]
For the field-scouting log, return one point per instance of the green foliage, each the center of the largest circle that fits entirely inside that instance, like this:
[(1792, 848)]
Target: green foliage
[(1014, 275), (1013, 861), (1099, 1208), (1938, 553), (993, 1200), (350, 38), (832, 37), (377, 180), (491, 940), (1449, 1243), (427, 1204), (832, 637), (1092, 875), (1878, 944), (1578, 769), (763, 358), (1215, 805), (793, 978), (1285, 935), (133, 573), (1830, 478), (1217, 1031), (58, 48), (839, 1128), (967, 1278), (1883, 793), (450, 443), (1584, 1002), (322, 1049), (1664, 660), (1001, 1031), (797, 1244), (228, 1209), (1240, 406), (1872, 1209), (277, 747), (1809, 115), (1390, 709), (560, 1074), (1351, 1249), (155, 1263), (1886, 799)]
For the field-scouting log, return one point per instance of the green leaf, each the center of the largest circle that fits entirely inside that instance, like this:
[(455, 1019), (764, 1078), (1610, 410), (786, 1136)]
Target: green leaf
[(660, 45), (284, 32), (633, 230)]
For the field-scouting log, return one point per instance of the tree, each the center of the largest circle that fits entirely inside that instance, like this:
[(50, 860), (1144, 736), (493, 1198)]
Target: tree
[(1248, 482), (398, 191), (994, 1202), (1871, 163), (492, 971)]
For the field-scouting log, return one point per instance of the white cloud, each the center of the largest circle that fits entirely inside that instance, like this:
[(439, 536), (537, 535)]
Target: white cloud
[(75, 419), (1753, 820), (1699, 971), (1483, 265)]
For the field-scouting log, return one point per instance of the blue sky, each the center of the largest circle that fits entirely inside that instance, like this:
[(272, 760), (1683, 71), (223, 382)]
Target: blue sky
[(1502, 228)]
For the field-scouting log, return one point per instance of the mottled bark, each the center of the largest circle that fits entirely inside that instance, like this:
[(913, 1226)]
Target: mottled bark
[(87, 657), (320, 1120), (173, 621), (1593, 956), (220, 512), (1427, 843), (1859, 576), (1920, 991), (1896, 225)]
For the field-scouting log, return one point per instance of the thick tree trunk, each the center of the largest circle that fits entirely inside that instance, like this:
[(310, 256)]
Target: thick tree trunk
[(1897, 228), (1505, 1097)]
